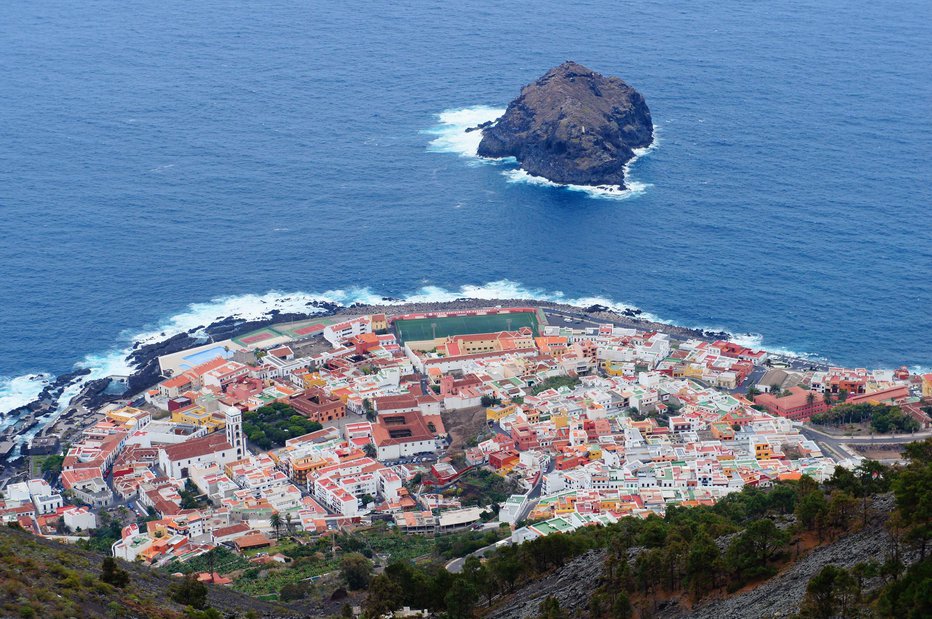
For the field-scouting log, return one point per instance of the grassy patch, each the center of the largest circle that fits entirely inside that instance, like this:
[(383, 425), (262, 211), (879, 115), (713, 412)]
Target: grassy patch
[(426, 328)]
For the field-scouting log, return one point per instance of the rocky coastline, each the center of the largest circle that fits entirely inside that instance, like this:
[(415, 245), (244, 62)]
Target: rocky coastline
[(144, 357), (572, 126)]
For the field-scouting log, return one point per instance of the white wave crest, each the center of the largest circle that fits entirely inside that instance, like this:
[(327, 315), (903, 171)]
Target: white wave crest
[(21, 390), (451, 136), (606, 192), (18, 391), (756, 341)]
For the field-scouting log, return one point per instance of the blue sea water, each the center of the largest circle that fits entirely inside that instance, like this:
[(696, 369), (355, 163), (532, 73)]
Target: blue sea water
[(159, 154)]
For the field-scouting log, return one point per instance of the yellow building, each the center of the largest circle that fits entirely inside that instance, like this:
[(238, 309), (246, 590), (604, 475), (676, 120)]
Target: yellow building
[(559, 421), (198, 416), (612, 368), (129, 417), (762, 451), (313, 380), (496, 413), (379, 322), (298, 470), (927, 386), (722, 431), (693, 370)]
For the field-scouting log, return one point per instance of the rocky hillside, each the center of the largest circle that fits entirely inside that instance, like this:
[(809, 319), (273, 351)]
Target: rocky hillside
[(572, 126), (45, 579), (571, 585), (783, 594)]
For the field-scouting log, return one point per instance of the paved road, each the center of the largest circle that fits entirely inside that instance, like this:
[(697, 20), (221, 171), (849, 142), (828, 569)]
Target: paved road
[(836, 445), (879, 439), (456, 565)]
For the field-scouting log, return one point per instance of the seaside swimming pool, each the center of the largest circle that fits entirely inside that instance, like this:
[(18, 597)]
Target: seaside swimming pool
[(204, 356)]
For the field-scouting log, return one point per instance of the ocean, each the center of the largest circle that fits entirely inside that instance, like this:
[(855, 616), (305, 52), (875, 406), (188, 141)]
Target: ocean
[(163, 164)]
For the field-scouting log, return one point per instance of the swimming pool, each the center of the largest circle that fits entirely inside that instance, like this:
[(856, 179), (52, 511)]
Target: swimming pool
[(203, 356)]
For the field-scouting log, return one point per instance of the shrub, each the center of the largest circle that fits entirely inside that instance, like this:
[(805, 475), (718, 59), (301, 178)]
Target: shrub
[(189, 591), (112, 574)]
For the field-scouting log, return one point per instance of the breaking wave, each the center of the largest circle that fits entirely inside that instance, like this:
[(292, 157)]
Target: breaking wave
[(18, 391), (451, 135), (606, 192), (21, 390)]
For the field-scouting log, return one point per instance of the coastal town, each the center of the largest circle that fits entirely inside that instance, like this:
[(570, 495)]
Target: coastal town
[(327, 425)]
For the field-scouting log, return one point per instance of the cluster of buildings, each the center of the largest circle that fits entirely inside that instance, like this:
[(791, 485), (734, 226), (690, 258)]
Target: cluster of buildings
[(607, 422), (799, 395), (36, 507)]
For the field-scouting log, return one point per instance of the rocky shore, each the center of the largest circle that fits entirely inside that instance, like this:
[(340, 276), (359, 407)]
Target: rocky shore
[(144, 358)]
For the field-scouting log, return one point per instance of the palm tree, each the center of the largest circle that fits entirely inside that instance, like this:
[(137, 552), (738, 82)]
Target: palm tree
[(289, 525), (276, 522)]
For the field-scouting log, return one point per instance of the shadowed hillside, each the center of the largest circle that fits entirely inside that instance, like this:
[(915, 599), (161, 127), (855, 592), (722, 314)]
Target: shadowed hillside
[(47, 580)]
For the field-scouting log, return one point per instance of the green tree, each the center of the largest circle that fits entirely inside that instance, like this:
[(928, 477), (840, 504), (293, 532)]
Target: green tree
[(113, 574), (293, 591), (189, 591), (841, 506), (276, 522), (912, 489), (478, 574), (765, 539), (811, 511), (488, 401), (356, 571), (53, 464), (460, 599), (550, 609), (368, 409), (830, 593), (507, 567), (384, 597), (909, 597), (702, 564)]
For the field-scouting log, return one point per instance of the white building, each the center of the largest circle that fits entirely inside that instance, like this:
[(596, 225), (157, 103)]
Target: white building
[(79, 518), (176, 460)]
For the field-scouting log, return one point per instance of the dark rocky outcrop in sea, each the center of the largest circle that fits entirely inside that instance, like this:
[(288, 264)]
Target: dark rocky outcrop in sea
[(572, 126)]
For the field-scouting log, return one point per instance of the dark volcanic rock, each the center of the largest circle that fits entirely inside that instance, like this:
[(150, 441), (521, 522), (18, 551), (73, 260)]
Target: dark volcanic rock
[(572, 126)]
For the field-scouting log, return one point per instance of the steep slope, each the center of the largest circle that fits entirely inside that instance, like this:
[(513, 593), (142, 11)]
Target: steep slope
[(571, 585), (779, 596), (45, 579)]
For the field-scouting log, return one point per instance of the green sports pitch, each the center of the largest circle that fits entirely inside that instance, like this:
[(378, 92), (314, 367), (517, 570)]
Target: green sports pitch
[(425, 328)]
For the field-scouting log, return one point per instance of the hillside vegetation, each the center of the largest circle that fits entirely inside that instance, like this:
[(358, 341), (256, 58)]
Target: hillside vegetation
[(43, 579), (857, 543)]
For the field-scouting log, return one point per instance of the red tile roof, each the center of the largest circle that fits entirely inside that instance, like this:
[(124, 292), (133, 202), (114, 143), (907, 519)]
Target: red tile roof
[(209, 444)]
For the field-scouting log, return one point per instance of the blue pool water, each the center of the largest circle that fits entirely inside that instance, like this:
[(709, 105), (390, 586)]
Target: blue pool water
[(204, 356), (155, 155)]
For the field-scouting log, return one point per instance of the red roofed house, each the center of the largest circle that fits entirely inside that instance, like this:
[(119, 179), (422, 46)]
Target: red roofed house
[(799, 405), (399, 435), (396, 404), (174, 460), (316, 405)]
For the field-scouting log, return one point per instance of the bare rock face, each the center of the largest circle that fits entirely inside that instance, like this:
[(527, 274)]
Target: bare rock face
[(572, 126)]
